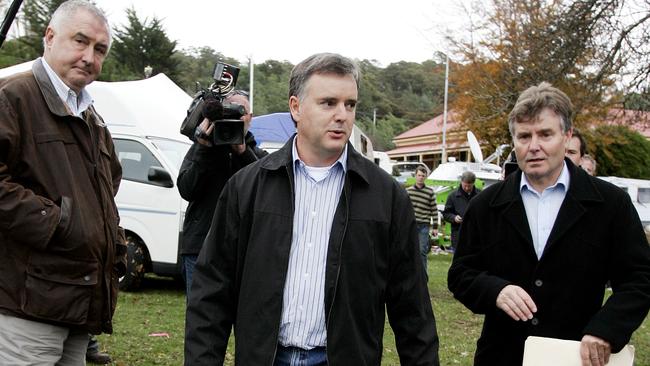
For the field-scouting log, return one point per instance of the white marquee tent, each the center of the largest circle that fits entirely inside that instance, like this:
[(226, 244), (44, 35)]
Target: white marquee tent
[(155, 106)]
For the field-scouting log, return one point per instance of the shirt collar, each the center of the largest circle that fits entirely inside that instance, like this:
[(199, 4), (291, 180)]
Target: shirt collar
[(562, 181), (343, 159), (76, 104)]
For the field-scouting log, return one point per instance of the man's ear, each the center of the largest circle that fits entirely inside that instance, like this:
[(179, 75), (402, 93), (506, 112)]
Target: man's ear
[(294, 107), (49, 36)]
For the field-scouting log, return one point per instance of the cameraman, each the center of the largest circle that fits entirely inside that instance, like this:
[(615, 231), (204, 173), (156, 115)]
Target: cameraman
[(204, 172)]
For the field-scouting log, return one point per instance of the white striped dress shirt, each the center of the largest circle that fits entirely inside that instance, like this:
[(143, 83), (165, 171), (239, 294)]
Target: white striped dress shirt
[(317, 193)]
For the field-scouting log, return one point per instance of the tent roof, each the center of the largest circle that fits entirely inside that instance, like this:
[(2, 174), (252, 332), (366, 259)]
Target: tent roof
[(152, 107), (276, 127), (156, 105)]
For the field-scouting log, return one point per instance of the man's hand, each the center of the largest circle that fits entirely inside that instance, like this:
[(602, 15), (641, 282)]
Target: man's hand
[(516, 302), (594, 351), (458, 219), (205, 129)]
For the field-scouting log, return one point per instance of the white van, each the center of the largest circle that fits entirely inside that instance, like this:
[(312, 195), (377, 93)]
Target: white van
[(383, 161), (639, 192), (144, 117), (151, 209)]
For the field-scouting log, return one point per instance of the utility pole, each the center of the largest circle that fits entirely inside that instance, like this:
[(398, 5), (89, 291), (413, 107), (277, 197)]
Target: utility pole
[(251, 68), (444, 115), (374, 120)]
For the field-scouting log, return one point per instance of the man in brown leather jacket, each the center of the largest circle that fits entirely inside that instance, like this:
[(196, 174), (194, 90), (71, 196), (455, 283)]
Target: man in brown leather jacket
[(61, 249)]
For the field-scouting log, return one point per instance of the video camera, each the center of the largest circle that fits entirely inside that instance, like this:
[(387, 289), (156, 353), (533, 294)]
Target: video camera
[(209, 103)]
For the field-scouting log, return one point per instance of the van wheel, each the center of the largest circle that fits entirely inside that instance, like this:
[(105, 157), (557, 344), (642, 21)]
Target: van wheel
[(134, 265)]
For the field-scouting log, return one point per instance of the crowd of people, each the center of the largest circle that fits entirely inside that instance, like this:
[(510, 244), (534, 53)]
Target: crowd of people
[(303, 252)]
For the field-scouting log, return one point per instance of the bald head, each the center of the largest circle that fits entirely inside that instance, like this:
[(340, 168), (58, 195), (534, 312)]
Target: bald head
[(242, 101), (67, 10)]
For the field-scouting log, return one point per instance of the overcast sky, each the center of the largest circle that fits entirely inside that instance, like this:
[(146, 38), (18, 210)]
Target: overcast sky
[(386, 31)]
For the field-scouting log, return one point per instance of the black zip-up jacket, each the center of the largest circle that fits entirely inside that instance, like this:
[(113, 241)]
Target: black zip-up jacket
[(373, 267), (203, 174)]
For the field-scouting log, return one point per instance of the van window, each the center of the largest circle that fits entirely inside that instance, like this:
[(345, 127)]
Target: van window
[(643, 195), (136, 160), (364, 145), (174, 151)]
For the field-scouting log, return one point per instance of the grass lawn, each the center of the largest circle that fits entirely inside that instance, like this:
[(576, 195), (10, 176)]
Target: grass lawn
[(149, 325)]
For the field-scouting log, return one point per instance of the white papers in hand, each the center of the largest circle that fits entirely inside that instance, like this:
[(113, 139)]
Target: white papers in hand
[(541, 351)]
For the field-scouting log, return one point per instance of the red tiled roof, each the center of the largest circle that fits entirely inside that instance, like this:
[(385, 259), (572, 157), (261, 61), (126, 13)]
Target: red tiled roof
[(431, 127)]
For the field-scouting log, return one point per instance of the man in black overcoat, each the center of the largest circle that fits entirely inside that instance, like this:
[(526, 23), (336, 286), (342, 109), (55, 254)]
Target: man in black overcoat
[(536, 250)]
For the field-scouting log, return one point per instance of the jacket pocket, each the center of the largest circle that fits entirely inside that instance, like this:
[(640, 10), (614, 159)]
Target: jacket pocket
[(73, 234), (58, 288)]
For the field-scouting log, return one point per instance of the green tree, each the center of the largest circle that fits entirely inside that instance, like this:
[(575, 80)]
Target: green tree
[(271, 92), (382, 132), (638, 101), (415, 90), (36, 14), (195, 67), (14, 52), (372, 98), (619, 151), (139, 44)]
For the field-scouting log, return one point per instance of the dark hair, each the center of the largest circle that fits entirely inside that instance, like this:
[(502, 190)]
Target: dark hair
[(320, 63), (420, 169), (583, 143), (534, 99)]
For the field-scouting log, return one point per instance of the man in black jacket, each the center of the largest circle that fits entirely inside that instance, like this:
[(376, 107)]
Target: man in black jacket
[(311, 246), (203, 174), (536, 250), (457, 202)]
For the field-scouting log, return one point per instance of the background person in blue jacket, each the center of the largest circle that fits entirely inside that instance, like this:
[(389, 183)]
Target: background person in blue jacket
[(311, 246)]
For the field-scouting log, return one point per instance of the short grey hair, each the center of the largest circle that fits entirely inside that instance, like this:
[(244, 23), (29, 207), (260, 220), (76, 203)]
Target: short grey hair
[(68, 9), (534, 99), (320, 63), (468, 177)]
